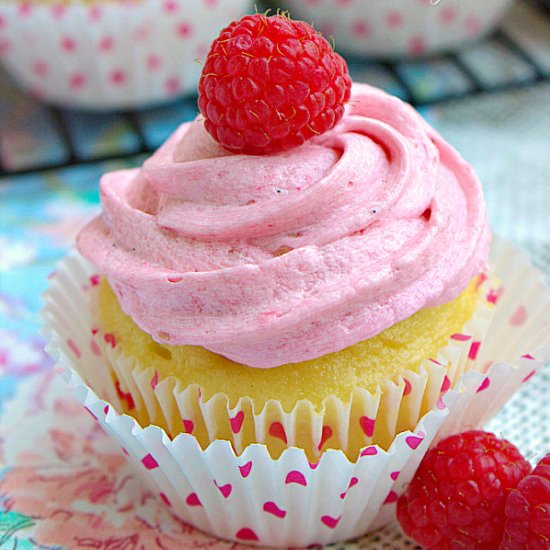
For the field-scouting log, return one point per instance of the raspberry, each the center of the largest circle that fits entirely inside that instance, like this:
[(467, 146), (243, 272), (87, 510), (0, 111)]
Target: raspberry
[(528, 511), (457, 497), (269, 84)]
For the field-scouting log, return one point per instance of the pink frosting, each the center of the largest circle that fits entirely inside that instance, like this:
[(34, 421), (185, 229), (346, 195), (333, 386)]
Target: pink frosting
[(272, 260)]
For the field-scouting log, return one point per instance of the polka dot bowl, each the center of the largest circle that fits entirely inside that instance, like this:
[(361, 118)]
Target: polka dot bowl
[(110, 55), (397, 28)]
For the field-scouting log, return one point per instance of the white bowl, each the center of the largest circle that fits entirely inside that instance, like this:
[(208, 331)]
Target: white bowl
[(395, 28), (111, 55)]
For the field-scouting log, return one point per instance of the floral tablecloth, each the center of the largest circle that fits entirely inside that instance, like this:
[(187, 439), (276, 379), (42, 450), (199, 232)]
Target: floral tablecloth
[(63, 484)]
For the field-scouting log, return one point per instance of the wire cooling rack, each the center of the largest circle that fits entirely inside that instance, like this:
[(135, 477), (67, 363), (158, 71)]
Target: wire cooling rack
[(503, 61)]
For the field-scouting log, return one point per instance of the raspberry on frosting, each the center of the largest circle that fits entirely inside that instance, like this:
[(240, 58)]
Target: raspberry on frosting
[(270, 84), (457, 497)]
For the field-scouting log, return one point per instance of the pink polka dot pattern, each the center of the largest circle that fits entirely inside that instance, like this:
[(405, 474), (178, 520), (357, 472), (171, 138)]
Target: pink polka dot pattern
[(394, 19), (448, 14), (417, 45), (77, 81), (399, 27), (184, 30), (111, 55), (40, 68), (68, 44), (25, 9), (95, 13), (170, 6), (117, 77), (141, 33), (473, 25), (153, 62), (58, 11), (360, 28), (106, 44), (4, 46)]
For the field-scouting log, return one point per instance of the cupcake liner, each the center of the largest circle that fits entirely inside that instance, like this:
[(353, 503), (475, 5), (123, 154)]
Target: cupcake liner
[(368, 418), (111, 55), (400, 27), (251, 497)]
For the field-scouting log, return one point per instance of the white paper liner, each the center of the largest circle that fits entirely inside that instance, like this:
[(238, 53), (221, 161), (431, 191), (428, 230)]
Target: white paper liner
[(111, 55), (254, 498), (368, 418), (400, 27)]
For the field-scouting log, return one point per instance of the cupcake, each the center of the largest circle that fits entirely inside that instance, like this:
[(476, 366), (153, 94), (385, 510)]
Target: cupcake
[(398, 28), (110, 54), (288, 302)]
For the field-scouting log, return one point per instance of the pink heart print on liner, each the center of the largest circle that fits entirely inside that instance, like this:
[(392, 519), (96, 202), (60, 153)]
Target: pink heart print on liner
[(413, 441), (225, 490), (193, 500), (296, 477), (237, 422), (367, 425), (245, 469), (331, 522), (272, 508)]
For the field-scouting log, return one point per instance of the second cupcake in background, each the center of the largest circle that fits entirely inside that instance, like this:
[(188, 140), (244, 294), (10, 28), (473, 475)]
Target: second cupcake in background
[(115, 54), (400, 28)]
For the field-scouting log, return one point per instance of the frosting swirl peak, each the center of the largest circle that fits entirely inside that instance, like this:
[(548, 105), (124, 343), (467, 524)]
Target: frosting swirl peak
[(271, 260)]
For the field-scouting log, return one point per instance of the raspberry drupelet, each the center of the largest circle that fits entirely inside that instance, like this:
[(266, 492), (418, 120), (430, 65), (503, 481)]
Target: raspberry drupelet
[(528, 511), (270, 84), (457, 497)]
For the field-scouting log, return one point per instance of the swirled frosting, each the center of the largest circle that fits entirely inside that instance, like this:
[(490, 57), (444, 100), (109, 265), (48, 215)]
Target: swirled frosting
[(272, 260)]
